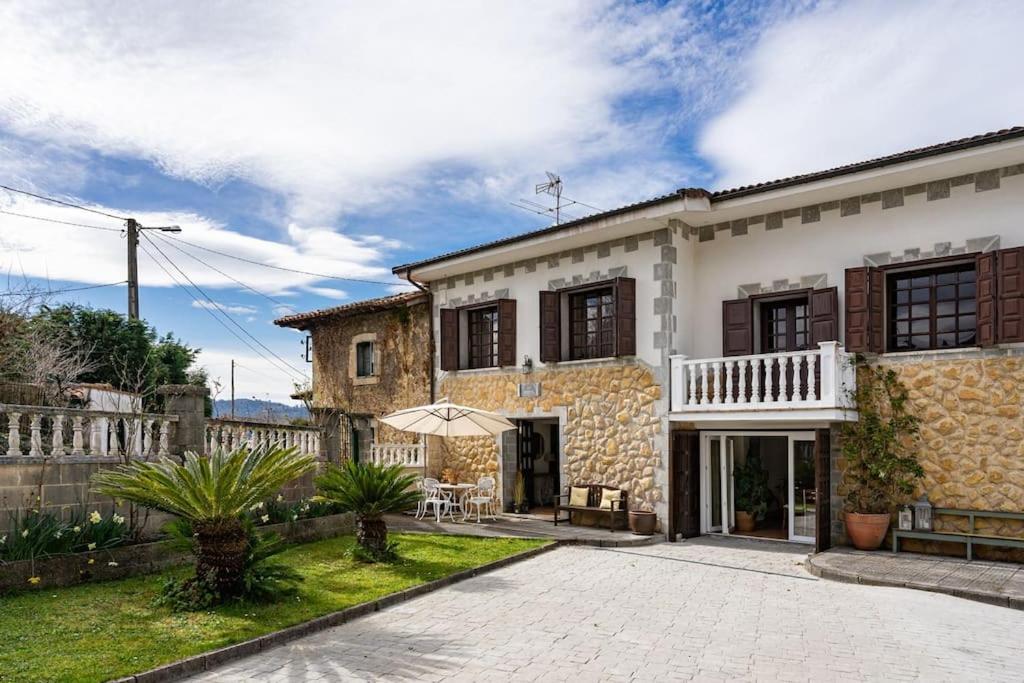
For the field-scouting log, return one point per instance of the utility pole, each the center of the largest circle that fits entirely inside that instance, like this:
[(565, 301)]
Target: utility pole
[(134, 229), (232, 388), (133, 269)]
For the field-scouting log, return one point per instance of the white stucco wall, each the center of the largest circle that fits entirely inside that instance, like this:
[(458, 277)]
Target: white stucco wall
[(835, 243), (524, 287)]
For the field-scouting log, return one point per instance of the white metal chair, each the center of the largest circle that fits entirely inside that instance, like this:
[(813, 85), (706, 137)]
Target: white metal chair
[(481, 499), (435, 497)]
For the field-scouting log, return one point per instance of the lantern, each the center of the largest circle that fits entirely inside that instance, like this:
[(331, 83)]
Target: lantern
[(906, 518), (923, 514)]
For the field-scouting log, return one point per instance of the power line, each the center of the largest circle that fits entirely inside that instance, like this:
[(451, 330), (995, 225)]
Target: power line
[(214, 315), (220, 308), (63, 203), (54, 220), (233, 279), (81, 289), (292, 270)]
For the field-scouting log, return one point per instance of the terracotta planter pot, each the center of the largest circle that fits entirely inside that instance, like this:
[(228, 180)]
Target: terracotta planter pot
[(745, 521), (866, 531), (642, 523)]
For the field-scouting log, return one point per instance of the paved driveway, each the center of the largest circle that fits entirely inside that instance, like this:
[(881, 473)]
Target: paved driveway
[(707, 609)]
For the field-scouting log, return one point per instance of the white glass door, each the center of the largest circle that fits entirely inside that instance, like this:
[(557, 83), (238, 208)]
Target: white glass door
[(802, 492)]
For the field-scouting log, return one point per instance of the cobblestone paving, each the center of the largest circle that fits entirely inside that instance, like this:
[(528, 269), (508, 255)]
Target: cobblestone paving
[(709, 609)]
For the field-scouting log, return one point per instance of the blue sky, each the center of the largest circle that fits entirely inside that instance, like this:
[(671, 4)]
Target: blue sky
[(345, 139)]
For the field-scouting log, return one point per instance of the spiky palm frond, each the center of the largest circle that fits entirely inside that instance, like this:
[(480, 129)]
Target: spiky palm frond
[(368, 489), (220, 486)]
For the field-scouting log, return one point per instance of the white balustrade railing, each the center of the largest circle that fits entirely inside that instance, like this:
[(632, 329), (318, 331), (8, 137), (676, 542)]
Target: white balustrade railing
[(231, 434), (818, 378), (42, 431), (405, 454)]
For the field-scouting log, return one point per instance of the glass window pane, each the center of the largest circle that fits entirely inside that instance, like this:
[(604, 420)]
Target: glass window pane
[(920, 326), (967, 306), (946, 341), (919, 311), (920, 342), (903, 296), (946, 278), (945, 308), (944, 324), (919, 295), (966, 338), (946, 293), (967, 290)]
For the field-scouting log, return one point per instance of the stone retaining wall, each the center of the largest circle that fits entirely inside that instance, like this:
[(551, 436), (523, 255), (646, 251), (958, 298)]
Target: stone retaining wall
[(612, 432)]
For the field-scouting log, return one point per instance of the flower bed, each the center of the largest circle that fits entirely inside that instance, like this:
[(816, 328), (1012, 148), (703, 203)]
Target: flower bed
[(102, 564)]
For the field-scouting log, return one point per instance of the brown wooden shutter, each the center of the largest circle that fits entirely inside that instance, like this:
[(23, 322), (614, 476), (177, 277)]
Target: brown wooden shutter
[(824, 315), (506, 332), (449, 339), (985, 265), (822, 490), (625, 316), (864, 310), (1010, 294), (550, 327), (684, 485), (876, 309), (737, 327)]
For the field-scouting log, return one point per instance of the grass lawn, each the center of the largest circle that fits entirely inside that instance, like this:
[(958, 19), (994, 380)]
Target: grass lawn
[(100, 631)]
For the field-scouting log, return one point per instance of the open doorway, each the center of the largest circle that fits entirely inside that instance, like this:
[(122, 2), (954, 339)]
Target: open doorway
[(759, 484), (535, 458)]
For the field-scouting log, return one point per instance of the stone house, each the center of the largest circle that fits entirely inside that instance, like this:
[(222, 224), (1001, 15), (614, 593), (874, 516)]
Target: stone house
[(369, 358), (664, 345)]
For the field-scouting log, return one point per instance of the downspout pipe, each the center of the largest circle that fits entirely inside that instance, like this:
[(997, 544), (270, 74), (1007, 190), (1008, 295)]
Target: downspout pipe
[(407, 275)]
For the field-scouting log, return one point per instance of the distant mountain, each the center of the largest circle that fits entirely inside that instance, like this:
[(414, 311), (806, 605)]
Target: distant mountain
[(264, 411)]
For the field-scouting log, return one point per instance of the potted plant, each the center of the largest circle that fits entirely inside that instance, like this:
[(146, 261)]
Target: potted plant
[(751, 483), (879, 448), (519, 504), (642, 522)]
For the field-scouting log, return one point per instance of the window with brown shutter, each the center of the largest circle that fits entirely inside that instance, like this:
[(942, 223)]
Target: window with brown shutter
[(550, 327), (737, 327), (933, 308), (449, 339), (1010, 294), (506, 332), (592, 315), (625, 316), (483, 337)]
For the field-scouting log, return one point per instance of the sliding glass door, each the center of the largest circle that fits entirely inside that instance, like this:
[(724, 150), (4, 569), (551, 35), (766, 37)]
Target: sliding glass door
[(784, 463)]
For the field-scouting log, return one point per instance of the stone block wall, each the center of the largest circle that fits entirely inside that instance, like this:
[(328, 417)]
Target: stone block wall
[(971, 405), (403, 349), (612, 430)]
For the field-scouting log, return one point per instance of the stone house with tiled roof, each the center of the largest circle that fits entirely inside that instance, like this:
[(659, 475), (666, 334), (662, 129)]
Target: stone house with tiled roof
[(661, 346), (369, 358)]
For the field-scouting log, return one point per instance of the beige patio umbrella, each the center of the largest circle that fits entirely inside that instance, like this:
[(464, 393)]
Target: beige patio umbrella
[(448, 419)]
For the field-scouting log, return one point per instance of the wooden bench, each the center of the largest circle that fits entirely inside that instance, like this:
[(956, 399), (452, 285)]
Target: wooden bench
[(619, 508), (969, 538)]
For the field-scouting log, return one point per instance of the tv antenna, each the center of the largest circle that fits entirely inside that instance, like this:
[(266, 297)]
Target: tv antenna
[(552, 187)]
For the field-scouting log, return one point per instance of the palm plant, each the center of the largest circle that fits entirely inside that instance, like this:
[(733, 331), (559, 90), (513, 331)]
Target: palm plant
[(370, 491), (212, 493)]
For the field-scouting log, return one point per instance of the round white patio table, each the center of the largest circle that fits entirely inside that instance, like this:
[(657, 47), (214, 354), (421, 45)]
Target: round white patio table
[(458, 493)]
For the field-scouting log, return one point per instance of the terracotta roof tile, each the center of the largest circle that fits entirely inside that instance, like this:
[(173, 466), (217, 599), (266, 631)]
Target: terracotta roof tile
[(301, 320)]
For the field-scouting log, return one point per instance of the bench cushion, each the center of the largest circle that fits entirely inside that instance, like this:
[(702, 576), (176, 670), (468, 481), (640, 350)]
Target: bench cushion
[(578, 496), (608, 496)]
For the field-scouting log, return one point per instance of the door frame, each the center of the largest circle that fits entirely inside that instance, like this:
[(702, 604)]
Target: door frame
[(726, 464)]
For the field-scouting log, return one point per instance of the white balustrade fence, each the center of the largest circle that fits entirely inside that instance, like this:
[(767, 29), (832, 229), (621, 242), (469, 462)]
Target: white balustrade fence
[(231, 434), (37, 431), (405, 454), (819, 378)]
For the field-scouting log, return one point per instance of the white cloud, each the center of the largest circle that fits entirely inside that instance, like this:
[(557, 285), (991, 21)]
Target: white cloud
[(254, 376), (52, 250), (235, 309), (342, 105), (864, 79)]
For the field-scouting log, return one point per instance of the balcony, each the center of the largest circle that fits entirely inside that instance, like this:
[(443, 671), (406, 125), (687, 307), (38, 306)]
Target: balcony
[(796, 386)]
